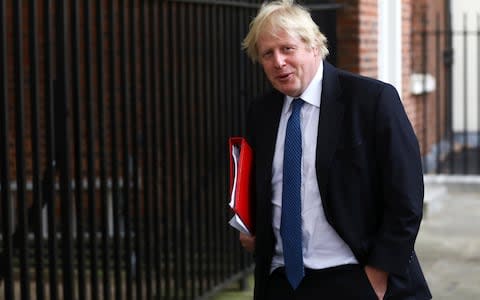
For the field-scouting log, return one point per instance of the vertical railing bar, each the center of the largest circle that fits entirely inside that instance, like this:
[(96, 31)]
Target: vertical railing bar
[(210, 68), (175, 166), (226, 121), (182, 117), (217, 241), (35, 127), (146, 145), (114, 158), (135, 152), (94, 289), (125, 90), (155, 51), (201, 86), (176, 232), (21, 233), (413, 38), (166, 150), (164, 144), (61, 105), (189, 134), (478, 93), (465, 95), (202, 154), (225, 105), (448, 104), (101, 148), (424, 94), (215, 259), (185, 160), (228, 127), (6, 256), (221, 105), (215, 112), (193, 171), (77, 137), (438, 94), (49, 177)]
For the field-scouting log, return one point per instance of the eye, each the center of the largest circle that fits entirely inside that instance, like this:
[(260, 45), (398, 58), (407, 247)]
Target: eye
[(288, 49), (267, 54)]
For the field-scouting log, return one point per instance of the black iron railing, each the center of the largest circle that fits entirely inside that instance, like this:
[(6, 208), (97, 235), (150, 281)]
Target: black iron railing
[(450, 137), (114, 119)]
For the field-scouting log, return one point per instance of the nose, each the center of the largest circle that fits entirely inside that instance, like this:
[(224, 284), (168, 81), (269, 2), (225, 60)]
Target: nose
[(279, 60)]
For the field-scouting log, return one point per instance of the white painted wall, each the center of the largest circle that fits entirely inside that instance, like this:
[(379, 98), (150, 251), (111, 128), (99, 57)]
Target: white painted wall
[(390, 42), (470, 9)]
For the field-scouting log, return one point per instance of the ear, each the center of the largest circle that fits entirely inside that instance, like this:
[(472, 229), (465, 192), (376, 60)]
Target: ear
[(315, 51)]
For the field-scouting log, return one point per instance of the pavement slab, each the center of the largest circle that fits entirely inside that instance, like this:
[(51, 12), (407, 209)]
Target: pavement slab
[(448, 246)]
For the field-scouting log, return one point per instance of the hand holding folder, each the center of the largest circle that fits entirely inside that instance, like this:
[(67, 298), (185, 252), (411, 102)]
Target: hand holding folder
[(241, 161)]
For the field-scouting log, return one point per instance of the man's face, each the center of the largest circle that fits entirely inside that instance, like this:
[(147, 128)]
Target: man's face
[(287, 61)]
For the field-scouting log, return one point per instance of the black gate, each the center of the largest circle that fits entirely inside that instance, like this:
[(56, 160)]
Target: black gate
[(114, 119), (448, 60)]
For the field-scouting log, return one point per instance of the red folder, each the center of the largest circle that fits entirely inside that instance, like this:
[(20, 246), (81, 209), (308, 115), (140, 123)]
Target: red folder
[(240, 181)]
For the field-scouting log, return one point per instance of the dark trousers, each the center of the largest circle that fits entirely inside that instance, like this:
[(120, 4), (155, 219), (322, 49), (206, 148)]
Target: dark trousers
[(347, 282)]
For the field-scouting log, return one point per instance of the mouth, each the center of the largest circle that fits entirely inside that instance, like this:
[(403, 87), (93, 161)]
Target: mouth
[(284, 76)]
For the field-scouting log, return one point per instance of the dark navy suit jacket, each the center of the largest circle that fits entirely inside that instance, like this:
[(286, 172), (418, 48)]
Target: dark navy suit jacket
[(369, 174)]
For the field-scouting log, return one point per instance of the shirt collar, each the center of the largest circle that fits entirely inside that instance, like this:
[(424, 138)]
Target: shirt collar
[(313, 91)]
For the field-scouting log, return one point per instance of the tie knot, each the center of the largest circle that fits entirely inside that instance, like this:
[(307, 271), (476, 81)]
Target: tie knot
[(297, 104)]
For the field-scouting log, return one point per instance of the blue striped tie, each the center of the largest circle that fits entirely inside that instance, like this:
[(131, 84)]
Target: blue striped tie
[(291, 223)]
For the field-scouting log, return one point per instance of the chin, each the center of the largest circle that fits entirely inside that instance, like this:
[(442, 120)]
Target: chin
[(288, 92)]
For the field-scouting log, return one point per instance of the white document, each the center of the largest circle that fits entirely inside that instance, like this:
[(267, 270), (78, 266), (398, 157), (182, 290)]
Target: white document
[(236, 223), (236, 156)]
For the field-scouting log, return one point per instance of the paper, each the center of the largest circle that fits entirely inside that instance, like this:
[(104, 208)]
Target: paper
[(235, 156), (237, 223)]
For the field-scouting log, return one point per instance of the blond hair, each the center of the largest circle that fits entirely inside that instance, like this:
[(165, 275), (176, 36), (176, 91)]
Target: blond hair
[(287, 16)]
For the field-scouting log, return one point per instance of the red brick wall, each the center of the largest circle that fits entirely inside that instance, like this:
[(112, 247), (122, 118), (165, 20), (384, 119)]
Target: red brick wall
[(409, 102), (357, 31), (427, 57), (357, 35)]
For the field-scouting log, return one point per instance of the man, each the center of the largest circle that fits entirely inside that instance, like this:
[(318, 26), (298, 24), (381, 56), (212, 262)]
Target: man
[(337, 173)]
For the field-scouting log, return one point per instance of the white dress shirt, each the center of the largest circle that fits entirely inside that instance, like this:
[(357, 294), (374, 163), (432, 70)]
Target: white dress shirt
[(322, 246)]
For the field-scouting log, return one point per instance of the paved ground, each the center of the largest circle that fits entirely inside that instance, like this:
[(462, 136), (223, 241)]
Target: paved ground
[(448, 244), (232, 293)]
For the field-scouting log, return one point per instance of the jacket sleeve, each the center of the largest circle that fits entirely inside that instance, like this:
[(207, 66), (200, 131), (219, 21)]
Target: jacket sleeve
[(401, 187)]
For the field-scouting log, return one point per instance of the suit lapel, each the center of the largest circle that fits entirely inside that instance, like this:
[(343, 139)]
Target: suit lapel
[(329, 125)]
